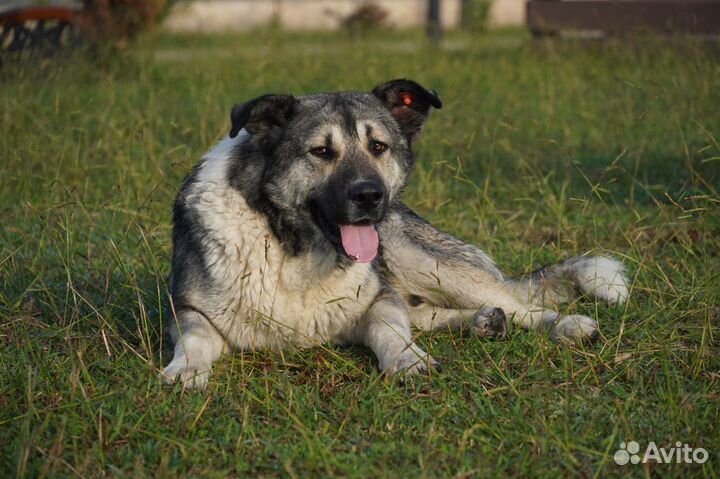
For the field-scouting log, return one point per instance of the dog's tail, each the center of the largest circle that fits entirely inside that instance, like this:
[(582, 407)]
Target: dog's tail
[(597, 276)]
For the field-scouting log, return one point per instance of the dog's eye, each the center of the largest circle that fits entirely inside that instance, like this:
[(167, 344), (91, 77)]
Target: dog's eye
[(378, 147), (322, 152)]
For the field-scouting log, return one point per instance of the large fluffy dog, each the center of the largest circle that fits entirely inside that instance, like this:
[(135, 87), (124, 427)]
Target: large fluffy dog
[(291, 232)]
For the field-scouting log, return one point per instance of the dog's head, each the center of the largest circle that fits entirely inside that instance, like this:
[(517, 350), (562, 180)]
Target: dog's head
[(335, 160)]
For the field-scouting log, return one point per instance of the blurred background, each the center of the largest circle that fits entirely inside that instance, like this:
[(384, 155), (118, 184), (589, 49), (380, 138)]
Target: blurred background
[(243, 15), (106, 18)]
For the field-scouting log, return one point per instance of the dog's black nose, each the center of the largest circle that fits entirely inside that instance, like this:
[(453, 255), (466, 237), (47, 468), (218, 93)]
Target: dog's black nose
[(366, 194)]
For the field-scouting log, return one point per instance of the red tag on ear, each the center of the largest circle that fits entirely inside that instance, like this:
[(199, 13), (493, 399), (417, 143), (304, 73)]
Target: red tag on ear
[(407, 98)]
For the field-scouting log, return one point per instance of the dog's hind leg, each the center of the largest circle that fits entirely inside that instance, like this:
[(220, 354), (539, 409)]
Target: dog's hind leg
[(442, 270), (385, 329), (197, 346), (491, 322), (485, 322)]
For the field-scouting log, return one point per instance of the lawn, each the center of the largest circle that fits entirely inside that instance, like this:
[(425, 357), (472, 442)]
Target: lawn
[(542, 151)]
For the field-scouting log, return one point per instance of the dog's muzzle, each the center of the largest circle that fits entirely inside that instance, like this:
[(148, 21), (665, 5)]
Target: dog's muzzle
[(367, 205), (348, 216)]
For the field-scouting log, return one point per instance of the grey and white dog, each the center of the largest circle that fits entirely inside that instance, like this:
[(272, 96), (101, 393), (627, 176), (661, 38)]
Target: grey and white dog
[(291, 231)]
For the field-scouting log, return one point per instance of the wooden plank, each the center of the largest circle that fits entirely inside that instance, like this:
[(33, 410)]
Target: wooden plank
[(686, 16)]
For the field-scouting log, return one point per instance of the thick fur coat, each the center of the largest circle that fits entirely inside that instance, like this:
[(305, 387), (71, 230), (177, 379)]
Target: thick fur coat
[(291, 232)]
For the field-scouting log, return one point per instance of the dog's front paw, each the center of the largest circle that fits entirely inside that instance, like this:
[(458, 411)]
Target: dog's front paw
[(410, 361), (574, 328), (489, 323), (192, 376)]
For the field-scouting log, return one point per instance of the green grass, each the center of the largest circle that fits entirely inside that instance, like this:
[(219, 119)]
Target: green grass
[(541, 151)]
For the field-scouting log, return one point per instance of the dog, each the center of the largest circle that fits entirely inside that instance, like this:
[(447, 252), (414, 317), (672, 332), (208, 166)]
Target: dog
[(291, 232)]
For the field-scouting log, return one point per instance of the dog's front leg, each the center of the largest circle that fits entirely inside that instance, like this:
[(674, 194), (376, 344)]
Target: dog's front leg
[(197, 346), (385, 328)]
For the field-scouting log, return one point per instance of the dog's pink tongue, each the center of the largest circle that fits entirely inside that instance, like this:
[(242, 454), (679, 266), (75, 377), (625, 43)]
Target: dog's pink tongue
[(360, 242)]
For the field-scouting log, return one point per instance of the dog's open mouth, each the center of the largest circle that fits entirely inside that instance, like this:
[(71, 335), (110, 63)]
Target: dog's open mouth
[(360, 242)]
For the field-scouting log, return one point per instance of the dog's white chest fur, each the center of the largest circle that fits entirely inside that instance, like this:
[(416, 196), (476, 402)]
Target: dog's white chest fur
[(266, 298)]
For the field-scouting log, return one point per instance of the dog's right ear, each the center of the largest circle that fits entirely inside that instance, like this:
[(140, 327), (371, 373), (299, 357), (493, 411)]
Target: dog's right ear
[(264, 116)]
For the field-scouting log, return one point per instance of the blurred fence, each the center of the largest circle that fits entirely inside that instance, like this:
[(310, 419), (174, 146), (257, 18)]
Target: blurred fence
[(219, 15)]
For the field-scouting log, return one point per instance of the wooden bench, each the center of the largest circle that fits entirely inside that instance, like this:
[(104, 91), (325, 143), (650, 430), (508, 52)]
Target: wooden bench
[(42, 27)]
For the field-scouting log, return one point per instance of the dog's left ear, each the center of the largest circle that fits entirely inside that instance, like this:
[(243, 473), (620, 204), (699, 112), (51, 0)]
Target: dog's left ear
[(409, 103)]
